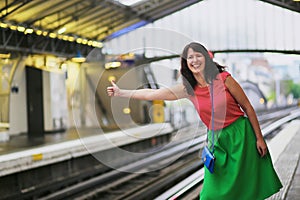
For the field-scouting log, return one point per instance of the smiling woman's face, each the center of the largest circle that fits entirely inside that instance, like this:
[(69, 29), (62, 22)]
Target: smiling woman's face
[(195, 61)]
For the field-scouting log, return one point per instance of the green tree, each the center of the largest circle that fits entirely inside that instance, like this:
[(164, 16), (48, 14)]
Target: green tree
[(295, 90), (289, 87)]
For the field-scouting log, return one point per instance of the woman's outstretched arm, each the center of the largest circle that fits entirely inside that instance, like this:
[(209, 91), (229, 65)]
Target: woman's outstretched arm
[(172, 93)]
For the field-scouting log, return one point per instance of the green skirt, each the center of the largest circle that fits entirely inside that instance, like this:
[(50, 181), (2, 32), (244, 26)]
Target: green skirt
[(240, 173)]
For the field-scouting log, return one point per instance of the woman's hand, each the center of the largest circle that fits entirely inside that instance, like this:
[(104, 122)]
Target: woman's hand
[(113, 90), (261, 147)]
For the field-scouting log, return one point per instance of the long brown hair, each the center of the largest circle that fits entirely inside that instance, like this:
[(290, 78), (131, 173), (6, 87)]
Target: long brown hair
[(210, 71)]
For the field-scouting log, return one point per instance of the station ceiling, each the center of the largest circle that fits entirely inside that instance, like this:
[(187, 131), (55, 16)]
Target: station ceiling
[(293, 5), (84, 23)]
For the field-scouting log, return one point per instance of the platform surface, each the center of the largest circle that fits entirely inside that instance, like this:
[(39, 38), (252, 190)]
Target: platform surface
[(285, 152), (21, 154)]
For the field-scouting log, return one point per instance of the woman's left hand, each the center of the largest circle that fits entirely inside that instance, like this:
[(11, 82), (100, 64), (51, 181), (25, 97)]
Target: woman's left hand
[(261, 147)]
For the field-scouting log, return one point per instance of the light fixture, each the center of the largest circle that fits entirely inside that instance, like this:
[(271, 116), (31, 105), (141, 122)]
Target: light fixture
[(65, 37), (79, 40), (62, 30), (21, 28), (71, 39), (84, 41), (3, 25), (111, 65), (59, 34), (5, 55), (13, 27), (130, 2), (39, 32), (126, 111), (52, 35), (90, 42), (28, 31), (78, 58)]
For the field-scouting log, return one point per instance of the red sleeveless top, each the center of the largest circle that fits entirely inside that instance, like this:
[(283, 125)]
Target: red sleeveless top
[(227, 110)]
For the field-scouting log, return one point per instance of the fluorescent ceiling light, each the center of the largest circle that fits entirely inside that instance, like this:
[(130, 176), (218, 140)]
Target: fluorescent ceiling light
[(62, 30), (130, 2)]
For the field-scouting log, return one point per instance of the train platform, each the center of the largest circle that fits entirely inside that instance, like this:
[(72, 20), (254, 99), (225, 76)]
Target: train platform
[(20, 154), (285, 152)]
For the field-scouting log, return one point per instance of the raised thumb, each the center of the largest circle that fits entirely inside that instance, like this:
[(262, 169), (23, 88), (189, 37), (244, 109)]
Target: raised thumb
[(113, 83)]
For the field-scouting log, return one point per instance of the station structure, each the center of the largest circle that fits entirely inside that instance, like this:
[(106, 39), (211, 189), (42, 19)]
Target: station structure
[(40, 144)]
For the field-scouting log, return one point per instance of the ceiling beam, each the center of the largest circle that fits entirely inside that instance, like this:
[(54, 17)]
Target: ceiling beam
[(34, 44), (22, 3), (288, 4)]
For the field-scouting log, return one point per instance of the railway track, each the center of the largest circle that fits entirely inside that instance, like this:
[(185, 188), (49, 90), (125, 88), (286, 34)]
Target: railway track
[(163, 175)]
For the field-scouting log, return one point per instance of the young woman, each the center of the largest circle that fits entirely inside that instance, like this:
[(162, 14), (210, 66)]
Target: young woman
[(243, 167)]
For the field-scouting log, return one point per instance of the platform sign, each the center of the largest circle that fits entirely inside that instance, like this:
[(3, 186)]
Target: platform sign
[(158, 113)]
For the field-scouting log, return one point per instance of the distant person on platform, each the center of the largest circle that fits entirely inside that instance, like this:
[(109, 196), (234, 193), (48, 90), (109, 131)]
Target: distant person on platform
[(243, 166)]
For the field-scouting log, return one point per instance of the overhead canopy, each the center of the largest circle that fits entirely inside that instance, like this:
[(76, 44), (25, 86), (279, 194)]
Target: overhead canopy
[(293, 5), (84, 23), (91, 19)]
